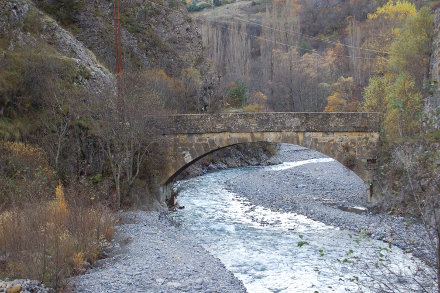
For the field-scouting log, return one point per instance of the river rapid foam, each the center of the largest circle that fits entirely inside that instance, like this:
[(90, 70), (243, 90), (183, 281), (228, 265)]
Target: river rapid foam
[(276, 251)]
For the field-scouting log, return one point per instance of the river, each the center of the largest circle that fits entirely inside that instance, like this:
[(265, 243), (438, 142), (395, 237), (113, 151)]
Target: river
[(274, 251)]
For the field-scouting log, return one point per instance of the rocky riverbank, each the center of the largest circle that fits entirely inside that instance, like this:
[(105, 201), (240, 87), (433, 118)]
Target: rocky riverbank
[(240, 155), (151, 255), (330, 193), (24, 286)]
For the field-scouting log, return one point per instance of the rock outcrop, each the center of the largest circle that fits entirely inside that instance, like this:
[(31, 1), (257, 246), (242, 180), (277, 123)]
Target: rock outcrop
[(155, 34), (17, 15), (432, 103)]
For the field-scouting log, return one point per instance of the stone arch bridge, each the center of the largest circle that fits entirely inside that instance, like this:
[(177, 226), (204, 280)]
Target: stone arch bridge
[(350, 138)]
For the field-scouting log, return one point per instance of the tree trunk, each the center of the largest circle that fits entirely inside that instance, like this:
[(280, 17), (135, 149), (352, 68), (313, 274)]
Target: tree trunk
[(118, 189)]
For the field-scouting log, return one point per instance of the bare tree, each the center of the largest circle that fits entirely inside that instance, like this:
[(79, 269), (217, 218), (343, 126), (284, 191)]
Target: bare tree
[(127, 141)]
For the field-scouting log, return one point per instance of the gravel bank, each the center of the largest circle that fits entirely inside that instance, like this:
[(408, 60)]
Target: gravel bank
[(24, 286), (151, 255), (324, 192)]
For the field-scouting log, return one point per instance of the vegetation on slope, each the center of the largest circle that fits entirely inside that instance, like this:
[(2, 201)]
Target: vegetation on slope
[(66, 159)]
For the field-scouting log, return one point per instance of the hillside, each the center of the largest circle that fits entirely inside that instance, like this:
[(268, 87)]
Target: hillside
[(34, 45), (302, 55), (155, 34), (59, 125), (75, 147)]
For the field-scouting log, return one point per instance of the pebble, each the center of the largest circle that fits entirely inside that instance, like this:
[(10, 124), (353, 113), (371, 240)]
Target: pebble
[(159, 258), (166, 259), (23, 285), (301, 190)]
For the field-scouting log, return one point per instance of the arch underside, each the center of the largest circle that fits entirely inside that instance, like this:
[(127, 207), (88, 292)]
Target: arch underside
[(356, 150)]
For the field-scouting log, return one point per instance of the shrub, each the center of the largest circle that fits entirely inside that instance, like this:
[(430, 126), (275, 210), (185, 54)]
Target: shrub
[(52, 240), (237, 95), (254, 108), (25, 174), (33, 23), (197, 7)]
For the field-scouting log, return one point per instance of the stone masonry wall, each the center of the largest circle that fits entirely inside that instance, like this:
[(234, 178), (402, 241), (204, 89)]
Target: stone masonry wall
[(265, 122)]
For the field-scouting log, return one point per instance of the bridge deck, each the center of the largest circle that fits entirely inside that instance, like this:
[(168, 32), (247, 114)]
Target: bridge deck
[(265, 122)]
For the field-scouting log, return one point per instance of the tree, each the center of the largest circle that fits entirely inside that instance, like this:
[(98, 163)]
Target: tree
[(192, 83), (237, 96), (342, 99), (127, 141), (404, 109), (397, 93), (411, 48), (335, 103), (381, 29), (375, 95)]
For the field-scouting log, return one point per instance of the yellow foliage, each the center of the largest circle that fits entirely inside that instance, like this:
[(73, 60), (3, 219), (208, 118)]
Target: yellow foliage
[(78, 259), (375, 94), (61, 205), (257, 103), (258, 97), (335, 103), (254, 108), (192, 74), (25, 174), (25, 151), (162, 74), (399, 10), (37, 245)]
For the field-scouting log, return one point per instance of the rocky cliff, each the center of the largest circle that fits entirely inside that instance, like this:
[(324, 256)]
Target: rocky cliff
[(23, 26), (432, 103), (155, 34)]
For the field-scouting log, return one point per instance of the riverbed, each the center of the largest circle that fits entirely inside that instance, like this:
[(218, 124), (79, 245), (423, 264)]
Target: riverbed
[(281, 228), (264, 224)]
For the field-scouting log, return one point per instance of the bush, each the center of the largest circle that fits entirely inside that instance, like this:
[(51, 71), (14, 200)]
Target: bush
[(237, 95), (52, 240), (197, 7), (64, 11), (254, 108), (25, 175)]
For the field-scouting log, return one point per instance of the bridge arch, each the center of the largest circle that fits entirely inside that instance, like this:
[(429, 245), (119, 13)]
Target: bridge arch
[(354, 150), (350, 138)]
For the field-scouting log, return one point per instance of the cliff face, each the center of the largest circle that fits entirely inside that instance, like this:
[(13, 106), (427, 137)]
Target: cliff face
[(432, 103), (155, 34), (23, 26)]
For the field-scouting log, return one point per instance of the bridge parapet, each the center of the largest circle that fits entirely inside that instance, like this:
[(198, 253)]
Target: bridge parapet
[(265, 122)]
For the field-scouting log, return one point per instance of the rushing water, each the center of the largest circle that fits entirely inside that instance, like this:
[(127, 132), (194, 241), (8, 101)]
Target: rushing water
[(285, 252)]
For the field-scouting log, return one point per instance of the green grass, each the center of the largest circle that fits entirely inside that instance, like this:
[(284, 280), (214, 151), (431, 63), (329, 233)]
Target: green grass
[(17, 128)]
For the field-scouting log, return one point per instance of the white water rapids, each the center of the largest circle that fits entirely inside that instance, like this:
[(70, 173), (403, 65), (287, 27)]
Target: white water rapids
[(285, 252)]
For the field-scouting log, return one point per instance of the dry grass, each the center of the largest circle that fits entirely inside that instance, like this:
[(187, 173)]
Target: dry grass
[(53, 239), (25, 175)]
